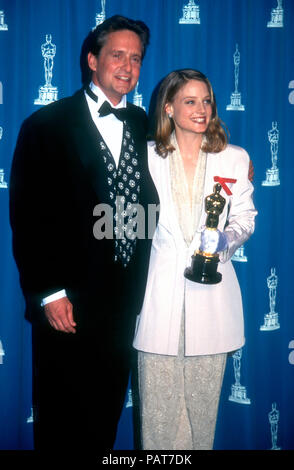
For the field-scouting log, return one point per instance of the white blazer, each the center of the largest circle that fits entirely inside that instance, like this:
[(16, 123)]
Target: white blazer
[(213, 313)]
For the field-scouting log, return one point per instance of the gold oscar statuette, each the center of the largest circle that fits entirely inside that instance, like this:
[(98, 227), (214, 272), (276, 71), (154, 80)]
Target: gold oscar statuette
[(203, 268)]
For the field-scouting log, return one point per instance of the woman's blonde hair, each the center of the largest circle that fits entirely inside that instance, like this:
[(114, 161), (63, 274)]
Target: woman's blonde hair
[(216, 135)]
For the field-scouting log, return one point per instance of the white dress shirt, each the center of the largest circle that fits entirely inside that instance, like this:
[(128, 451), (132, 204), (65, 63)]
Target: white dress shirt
[(108, 126)]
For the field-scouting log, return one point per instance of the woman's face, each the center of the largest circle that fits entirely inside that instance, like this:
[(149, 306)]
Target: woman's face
[(191, 108)]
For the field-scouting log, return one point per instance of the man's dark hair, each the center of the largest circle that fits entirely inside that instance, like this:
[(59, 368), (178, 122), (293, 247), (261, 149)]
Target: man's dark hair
[(98, 36)]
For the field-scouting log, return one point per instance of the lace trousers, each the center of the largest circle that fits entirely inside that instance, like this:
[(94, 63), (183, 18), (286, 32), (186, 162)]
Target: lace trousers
[(179, 398)]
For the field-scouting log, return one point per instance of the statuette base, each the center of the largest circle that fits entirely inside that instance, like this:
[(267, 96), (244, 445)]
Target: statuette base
[(47, 95), (239, 395), (203, 269), (272, 177)]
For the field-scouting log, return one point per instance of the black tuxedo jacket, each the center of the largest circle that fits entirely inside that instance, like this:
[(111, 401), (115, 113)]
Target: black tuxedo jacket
[(57, 178)]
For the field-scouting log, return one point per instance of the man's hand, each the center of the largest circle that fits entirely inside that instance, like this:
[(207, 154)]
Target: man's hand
[(60, 315)]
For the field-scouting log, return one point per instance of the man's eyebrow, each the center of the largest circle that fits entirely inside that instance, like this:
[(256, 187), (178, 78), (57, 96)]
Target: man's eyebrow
[(135, 54)]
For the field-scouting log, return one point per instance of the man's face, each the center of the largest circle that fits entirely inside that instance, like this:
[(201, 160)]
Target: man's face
[(117, 68)]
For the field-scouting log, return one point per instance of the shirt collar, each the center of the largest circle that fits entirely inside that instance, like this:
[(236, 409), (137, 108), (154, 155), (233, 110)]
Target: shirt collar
[(102, 97)]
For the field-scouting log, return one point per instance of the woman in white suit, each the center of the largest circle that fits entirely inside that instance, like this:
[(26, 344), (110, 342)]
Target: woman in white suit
[(186, 329)]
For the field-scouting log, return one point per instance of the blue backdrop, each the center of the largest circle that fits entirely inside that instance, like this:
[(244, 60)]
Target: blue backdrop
[(246, 49)]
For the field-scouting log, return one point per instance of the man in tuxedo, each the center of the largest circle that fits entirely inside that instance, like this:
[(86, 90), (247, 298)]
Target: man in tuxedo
[(83, 288)]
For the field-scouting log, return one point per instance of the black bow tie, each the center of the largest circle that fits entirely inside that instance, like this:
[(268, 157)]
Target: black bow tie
[(106, 108)]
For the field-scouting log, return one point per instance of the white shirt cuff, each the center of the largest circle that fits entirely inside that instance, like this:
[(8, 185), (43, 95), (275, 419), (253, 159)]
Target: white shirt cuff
[(51, 298)]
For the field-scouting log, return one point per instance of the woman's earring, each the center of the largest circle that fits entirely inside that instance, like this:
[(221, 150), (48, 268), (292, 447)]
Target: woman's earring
[(170, 115)]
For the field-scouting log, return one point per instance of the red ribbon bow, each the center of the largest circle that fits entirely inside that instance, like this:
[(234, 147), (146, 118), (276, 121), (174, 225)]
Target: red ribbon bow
[(222, 181)]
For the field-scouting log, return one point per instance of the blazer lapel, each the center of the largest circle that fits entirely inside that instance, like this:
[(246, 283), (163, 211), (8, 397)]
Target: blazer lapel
[(210, 172), (172, 216), (213, 168)]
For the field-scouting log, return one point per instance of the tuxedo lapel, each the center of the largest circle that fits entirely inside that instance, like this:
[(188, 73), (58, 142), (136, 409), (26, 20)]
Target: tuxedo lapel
[(138, 124), (85, 138)]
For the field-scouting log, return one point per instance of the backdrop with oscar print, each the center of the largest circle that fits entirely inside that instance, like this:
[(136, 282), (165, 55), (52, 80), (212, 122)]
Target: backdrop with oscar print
[(245, 48)]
